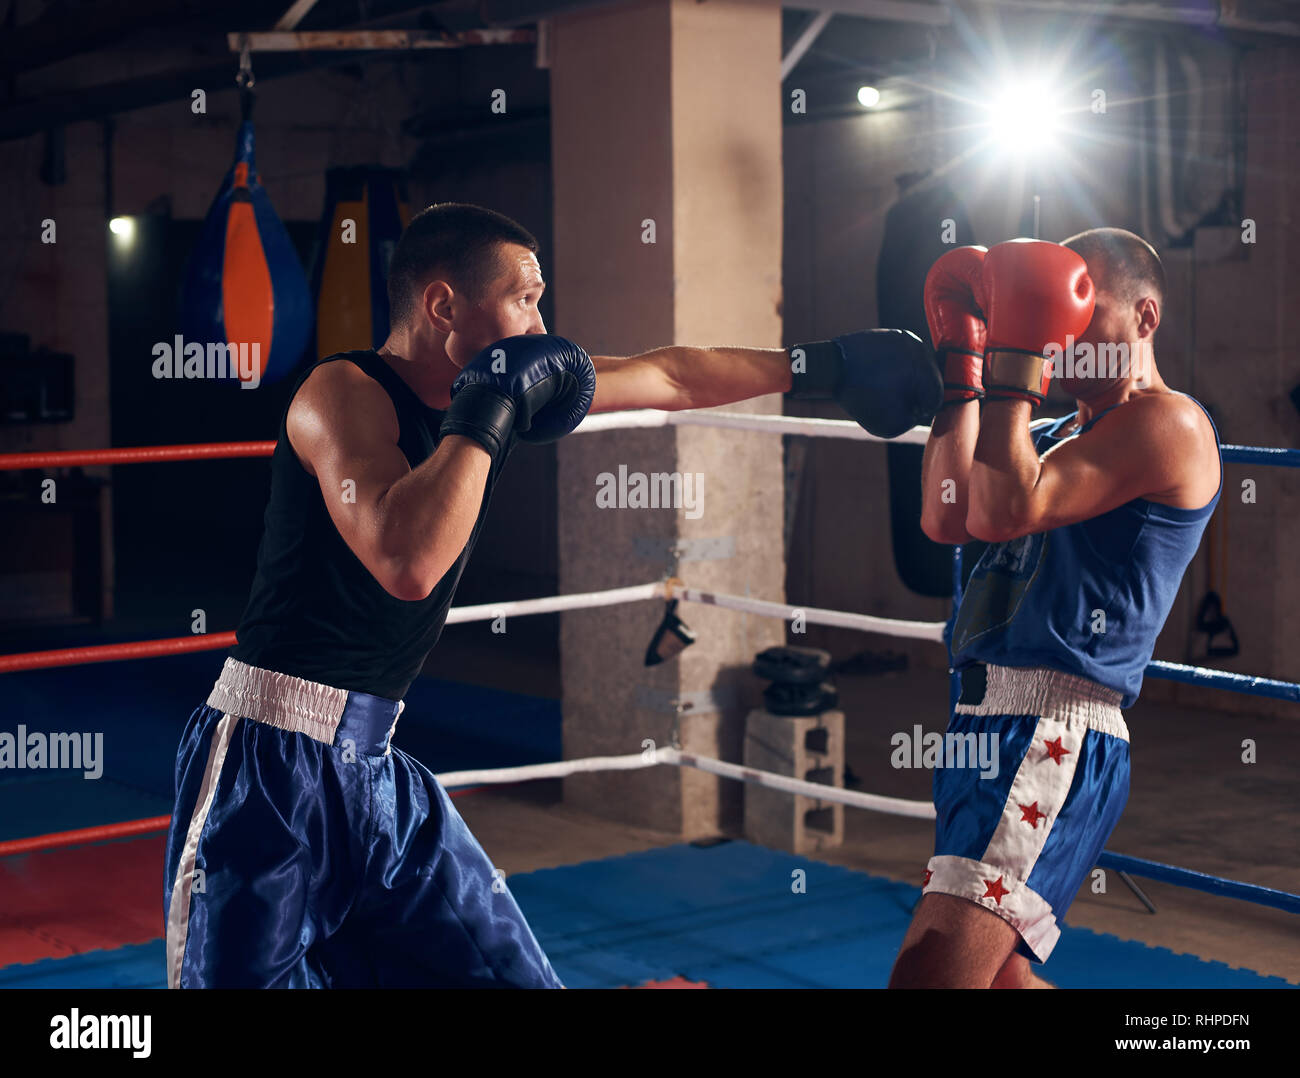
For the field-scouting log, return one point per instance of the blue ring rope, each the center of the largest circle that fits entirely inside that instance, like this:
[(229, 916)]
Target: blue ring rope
[(1201, 881), (1255, 454), (1224, 679)]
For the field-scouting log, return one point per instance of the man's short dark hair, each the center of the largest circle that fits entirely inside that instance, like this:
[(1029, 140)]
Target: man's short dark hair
[(452, 241), (1123, 261)]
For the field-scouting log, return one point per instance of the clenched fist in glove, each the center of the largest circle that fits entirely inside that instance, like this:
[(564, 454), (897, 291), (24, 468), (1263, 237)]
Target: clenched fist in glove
[(1036, 294), (883, 378), (953, 299)]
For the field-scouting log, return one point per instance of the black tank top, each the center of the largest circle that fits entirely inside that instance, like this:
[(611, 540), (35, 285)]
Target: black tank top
[(315, 611)]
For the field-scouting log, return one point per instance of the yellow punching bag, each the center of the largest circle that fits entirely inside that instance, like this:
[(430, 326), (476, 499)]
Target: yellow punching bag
[(365, 212)]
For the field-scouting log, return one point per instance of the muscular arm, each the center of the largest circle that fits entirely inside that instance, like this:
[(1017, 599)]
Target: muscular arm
[(406, 527), (675, 378), (1154, 446), (945, 473)]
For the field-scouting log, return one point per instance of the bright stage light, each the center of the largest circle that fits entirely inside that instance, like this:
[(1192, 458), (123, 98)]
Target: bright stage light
[(1024, 118), (122, 226), (868, 97)]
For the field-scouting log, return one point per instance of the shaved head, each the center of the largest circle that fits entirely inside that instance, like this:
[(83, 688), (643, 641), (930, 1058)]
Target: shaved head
[(1122, 263)]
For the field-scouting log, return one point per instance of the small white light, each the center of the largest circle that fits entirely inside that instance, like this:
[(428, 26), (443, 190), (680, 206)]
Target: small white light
[(122, 226), (868, 97)]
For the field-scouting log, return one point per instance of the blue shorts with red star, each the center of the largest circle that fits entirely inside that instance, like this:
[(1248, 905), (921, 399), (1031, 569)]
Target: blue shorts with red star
[(1037, 779)]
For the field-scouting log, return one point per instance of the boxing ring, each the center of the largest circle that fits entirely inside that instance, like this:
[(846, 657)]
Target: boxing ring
[(460, 783)]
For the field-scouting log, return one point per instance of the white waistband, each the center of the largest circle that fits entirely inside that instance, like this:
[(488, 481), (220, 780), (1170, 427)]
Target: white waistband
[(281, 700), (1050, 694)]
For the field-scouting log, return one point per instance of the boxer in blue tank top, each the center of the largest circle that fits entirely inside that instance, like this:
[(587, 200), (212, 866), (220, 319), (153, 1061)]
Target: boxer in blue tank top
[(305, 851), (1092, 520)]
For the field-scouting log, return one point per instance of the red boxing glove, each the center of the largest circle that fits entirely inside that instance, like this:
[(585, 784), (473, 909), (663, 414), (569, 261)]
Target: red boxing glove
[(952, 309), (1035, 294)]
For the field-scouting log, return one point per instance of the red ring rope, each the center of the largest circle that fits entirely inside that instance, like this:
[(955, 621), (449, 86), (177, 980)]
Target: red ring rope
[(71, 458), (151, 825), (34, 660), (58, 839), (104, 653)]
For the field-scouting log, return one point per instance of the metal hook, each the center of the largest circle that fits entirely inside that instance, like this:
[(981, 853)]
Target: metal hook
[(245, 79)]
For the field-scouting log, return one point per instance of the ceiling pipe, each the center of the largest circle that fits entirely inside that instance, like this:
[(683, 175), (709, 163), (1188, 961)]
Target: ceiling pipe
[(804, 42), (1216, 17), (940, 12)]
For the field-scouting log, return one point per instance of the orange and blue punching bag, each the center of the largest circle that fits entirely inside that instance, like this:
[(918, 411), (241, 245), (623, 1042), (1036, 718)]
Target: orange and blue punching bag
[(365, 212), (244, 285)]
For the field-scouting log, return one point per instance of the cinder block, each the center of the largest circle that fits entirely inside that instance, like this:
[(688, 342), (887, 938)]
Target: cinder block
[(804, 747)]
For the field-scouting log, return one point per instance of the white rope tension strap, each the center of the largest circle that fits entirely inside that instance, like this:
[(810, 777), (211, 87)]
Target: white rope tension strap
[(893, 806)]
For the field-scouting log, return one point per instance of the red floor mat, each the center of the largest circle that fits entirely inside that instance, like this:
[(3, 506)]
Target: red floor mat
[(87, 898)]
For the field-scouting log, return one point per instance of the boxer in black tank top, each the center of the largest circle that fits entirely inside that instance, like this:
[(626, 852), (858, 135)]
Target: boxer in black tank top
[(331, 858), (315, 610)]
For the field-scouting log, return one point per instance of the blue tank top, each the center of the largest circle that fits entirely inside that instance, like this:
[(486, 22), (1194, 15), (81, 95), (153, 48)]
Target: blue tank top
[(1087, 599)]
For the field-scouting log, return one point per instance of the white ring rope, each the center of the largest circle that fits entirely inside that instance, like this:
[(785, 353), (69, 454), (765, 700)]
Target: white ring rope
[(558, 770), (769, 424), (917, 630), (894, 806), (867, 623), (577, 601)]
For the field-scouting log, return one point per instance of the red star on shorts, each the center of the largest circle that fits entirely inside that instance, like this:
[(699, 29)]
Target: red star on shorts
[(1056, 750), (926, 880), (995, 890), (1029, 814)]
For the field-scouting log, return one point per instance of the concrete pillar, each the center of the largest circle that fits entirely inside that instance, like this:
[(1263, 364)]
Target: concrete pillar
[(666, 117)]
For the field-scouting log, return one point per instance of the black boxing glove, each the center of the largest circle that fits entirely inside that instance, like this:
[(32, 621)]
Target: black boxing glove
[(536, 386), (886, 379)]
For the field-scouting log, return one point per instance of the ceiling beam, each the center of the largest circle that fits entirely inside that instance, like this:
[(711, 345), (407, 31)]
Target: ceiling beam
[(373, 40)]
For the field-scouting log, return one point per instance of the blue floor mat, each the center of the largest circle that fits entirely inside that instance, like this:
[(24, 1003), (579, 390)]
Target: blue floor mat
[(725, 915), (140, 965)]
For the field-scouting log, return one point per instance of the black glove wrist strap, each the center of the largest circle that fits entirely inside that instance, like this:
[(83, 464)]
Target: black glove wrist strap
[(483, 413), (815, 369)]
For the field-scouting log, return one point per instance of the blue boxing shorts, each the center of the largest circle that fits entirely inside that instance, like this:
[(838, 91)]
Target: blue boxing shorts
[(305, 852), (1021, 842)]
